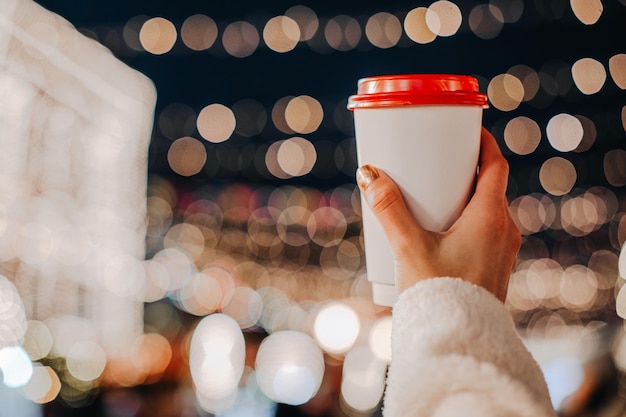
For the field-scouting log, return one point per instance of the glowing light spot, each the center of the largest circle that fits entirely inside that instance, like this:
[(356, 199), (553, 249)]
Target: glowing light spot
[(17, 369), (444, 18), (178, 266), (587, 11), (342, 32), (557, 176), (281, 34), (615, 167), (296, 156), (304, 114), (245, 307), (186, 156), (383, 30), (44, 386), (416, 27), (217, 355), (327, 226), (86, 361), (187, 237), (336, 327), (579, 288), (13, 319), (289, 367), (617, 68), (589, 136), (157, 35), (216, 123), (37, 340), (362, 384), (240, 39), (522, 135), (589, 75), (529, 79), (306, 19), (198, 32), (565, 132), (505, 92), (291, 225), (486, 21), (131, 31), (380, 338)]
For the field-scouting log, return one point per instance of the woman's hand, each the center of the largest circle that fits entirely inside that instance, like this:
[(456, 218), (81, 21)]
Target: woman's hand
[(481, 246)]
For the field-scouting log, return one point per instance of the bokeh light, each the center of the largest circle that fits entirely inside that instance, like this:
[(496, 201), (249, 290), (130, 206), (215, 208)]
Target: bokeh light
[(186, 156), (615, 167), (86, 360), (416, 27), (303, 114), (281, 34), (216, 123), (522, 135), (557, 176), (589, 75), (16, 367), (486, 21), (587, 11), (44, 386), (296, 156), (240, 39), (362, 383), (444, 18), (216, 356), (564, 132), (289, 367), (383, 30), (336, 327), (617, 65), (198, 32), (505, 92), (380, 338), (158, 35), (306, 19), (342, 33)]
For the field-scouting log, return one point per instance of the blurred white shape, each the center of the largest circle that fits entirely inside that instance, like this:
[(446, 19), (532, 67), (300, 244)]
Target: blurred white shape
[(44, 386), (363, 381), (12, 317), (564, 376), (86, 361), (217, 356), (336, 327), (565, 132), (37, 340), (380, 338), (289, 367), (17, 369), (76, 125)]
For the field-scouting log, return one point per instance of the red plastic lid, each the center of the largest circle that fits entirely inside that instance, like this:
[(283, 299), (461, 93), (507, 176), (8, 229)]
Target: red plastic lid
[(417, 89)]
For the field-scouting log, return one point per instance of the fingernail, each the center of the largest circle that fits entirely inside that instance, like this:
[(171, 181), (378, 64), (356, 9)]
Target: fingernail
[(365, 175)]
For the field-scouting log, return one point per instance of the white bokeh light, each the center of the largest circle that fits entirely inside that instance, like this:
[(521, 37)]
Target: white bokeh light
[(336, 327), (289, 367), (217, 356)]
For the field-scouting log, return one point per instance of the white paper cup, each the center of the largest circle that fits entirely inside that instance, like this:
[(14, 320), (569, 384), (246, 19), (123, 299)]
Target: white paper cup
[(424, 131)]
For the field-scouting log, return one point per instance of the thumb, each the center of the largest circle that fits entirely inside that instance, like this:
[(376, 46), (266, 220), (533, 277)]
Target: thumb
[(386, 202)]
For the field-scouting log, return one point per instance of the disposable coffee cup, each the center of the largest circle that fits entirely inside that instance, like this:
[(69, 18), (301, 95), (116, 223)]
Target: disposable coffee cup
[(424, 131)]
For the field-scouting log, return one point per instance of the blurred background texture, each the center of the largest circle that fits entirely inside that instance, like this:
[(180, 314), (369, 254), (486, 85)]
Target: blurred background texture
[(180, 228)]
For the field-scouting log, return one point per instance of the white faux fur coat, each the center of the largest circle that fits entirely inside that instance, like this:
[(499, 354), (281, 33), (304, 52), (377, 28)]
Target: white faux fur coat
[(456, 353)]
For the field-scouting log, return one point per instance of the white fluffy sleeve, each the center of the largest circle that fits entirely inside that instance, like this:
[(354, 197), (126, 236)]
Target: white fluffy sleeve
[(456, 352)]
